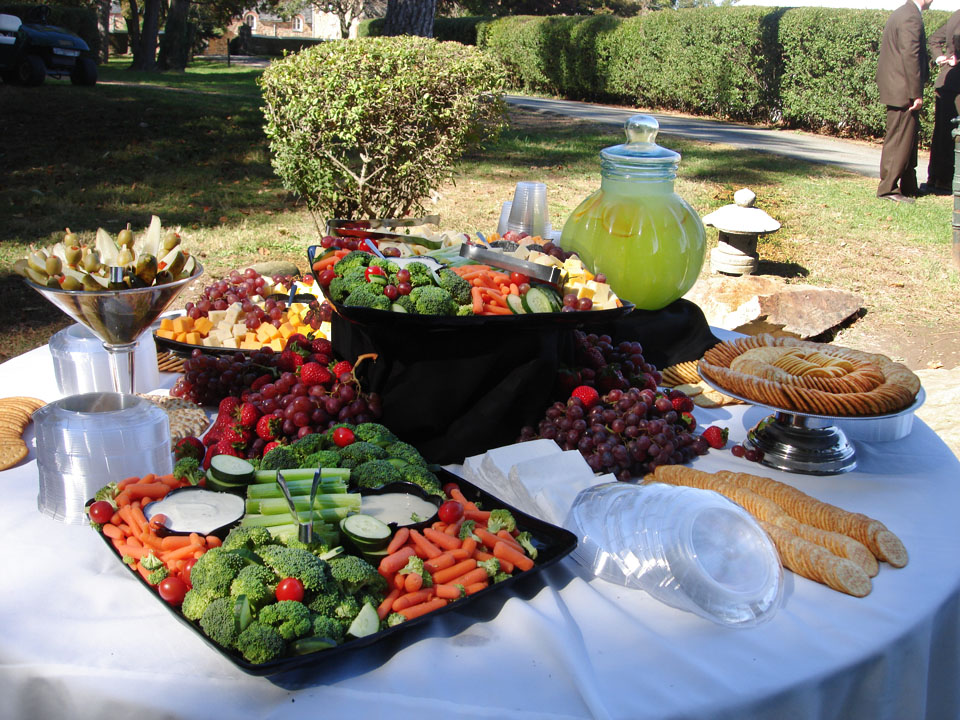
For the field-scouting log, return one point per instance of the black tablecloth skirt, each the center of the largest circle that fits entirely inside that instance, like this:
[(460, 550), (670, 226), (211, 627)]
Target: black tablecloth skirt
[(456, 392)]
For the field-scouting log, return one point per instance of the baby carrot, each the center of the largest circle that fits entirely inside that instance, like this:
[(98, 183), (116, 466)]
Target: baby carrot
[(456, 494), (153, 491), (400, 582), (460, 554), (469, 545), (127, 481), (384, 608), (412, 582), (507, 537), (416, 611), (400, 538), (505, 565), (112, 531), (441, 540), (480, 516), (174, 542), (183, 552), (504, 551), (454, 527), (421, 543), (496, 309), (395, 561), (477, 300), (486, 537), (474, 576), (476, 587), (148, 478), (455, 571), (449, 591), (440, 562), (411, 599), (213, 541)]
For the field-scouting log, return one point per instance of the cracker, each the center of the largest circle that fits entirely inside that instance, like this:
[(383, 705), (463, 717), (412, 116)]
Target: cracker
[(12, 452), (31, 404), (689, 389), (705, 401), (186, 418)]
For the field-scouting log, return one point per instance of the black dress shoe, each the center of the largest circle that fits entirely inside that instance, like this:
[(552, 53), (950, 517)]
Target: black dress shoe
[(897, 197), (927, 189)]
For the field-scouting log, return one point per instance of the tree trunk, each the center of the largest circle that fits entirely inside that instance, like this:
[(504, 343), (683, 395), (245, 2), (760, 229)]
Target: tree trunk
[(176, 45), (410, 17), (145, 52), (103, 28), (131, 13)]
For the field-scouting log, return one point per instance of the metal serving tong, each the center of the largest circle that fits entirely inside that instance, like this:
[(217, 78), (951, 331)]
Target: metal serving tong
[(304, 529)]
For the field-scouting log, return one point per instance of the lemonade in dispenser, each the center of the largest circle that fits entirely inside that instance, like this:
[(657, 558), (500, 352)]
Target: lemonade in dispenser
[(635, 229)]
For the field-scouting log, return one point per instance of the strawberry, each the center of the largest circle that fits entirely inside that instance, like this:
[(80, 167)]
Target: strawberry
[(689, 420), (261, 381), (312, 373), (339, 368), (237, 438), (289, 360), (268, 426), (270, 446), (211, 453), (298, 342), (716, 436), (587, 395), (225, 447), (681, 403), (189, 447), (212, 436), (321, 346), (225, 413), (248, 415)]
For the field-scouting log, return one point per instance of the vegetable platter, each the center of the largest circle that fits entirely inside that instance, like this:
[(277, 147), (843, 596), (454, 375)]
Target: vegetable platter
[(552, 543)]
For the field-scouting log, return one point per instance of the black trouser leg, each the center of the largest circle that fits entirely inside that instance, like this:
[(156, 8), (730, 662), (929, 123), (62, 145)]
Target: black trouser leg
[(940, 169)]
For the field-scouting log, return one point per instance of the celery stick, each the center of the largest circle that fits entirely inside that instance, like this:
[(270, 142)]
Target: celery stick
[(275, 506), (326, 475), (331, 515), (297, 487)]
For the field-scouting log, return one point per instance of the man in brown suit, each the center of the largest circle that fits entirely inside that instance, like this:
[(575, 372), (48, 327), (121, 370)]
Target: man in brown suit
[(943, 48), (902, 70)]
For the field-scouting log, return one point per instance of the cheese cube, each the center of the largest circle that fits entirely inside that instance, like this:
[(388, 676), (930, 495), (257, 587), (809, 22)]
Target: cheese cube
[(231, 342), (216, 316), (232, 313), (211, 341), (193, 338), (180, 336), (250, 345), (166, 324), (238, 330), (166, 334), (277, 344), (286, 330), (252, 338), (183, 324), (269, 331), (203, 326)]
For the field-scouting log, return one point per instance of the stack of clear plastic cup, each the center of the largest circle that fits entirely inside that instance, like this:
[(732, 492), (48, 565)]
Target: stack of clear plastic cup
[(692, 549), (528, 211), (87, 441), (504, 217), (81, 364)]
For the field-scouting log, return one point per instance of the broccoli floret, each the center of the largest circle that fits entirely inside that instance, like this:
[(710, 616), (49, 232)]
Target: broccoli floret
[(347, 609), (406, 302), (322, 459), (466, 530), (188, 469), (374, 474), (526, 542), (338, 289), (500, 577), (194, 603), (355, 277), (260, 643), (129, 560), (309, 444), (374, 433), (257, 582), (219, 623), (158, 575), (280, 458), (395, 618), (151, 562), (290, 618), (492, 566), (298, 563), (418, 475), (368, 296), (318, 546), (326, 603), (355, 575), (107, 492), (215, 570), (432, 300), (501, 519), (406, 452), (249, 538), (385, 263), (420, 275), (458, 288), (465, 310), (360, 452), (415, 566), (355, 258), (327, 627)]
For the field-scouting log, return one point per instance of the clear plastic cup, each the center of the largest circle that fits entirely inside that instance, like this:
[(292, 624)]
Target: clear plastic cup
[(504, 217), (528, 211), (692, 549), (81, 364)]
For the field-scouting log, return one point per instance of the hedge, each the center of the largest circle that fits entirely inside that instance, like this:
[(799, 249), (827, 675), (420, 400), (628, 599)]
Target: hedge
[(807, 68), (462, 30), (82, 21)]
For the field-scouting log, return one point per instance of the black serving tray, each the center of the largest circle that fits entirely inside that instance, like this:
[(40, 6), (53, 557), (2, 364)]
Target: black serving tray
[(553, 544)]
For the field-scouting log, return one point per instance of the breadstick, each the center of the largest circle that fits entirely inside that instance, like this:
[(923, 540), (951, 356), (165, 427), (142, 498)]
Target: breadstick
[(815, 563)]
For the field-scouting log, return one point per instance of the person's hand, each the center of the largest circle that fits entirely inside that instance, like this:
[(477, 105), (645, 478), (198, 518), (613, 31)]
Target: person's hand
[(941, 59), (952, 60), (915, 105)]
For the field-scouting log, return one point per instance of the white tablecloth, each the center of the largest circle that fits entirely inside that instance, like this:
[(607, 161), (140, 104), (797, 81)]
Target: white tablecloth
[(82, 638)]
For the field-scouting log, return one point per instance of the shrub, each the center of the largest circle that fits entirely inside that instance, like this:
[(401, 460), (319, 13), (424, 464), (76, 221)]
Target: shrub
[(368, 127)]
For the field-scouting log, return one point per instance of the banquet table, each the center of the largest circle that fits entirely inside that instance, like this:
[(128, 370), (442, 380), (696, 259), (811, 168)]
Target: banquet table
[(82, 638)]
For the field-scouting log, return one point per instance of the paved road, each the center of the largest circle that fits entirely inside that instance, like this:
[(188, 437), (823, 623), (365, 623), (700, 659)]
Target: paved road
[(858, 157)]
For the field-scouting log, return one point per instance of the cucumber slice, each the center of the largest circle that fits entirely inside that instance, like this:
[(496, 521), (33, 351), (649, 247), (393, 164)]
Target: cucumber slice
[(397, 307), (230, 469), (227, 487), (366, 623), (242, 613), (515, 303), (366, 532), (536, 301), (307, 645)]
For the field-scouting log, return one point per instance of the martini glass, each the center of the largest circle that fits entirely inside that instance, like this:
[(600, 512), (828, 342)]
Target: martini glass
[(118, 317)]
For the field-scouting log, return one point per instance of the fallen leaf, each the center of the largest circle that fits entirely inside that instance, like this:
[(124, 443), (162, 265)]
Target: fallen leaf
[(896, 284), (263, 251)]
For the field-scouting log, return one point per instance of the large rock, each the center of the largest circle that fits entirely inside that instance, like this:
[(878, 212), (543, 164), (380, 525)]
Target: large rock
[(763, 303)]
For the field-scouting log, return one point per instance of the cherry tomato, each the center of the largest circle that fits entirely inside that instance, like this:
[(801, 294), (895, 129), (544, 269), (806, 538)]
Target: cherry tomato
[(448, 487), (373, 270), (519, 278), (343, 436), (101, 511), (289, 589), (158, 522), (172, 589), (185, 573), (450, 512)]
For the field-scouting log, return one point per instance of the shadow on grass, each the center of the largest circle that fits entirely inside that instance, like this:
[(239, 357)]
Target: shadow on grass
[(33, 319)]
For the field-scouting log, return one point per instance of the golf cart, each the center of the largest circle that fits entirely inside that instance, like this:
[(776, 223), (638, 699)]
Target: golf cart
[(29, 51)]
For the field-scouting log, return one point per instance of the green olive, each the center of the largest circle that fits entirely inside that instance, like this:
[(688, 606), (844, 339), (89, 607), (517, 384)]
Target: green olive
[(53, 266), (37, 261), (91, 262), (163, 277), (71, 283), (73, 255), (125, 257), (146, 268), (90, 283), (171, 240), (69, 237), (125, 237)]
